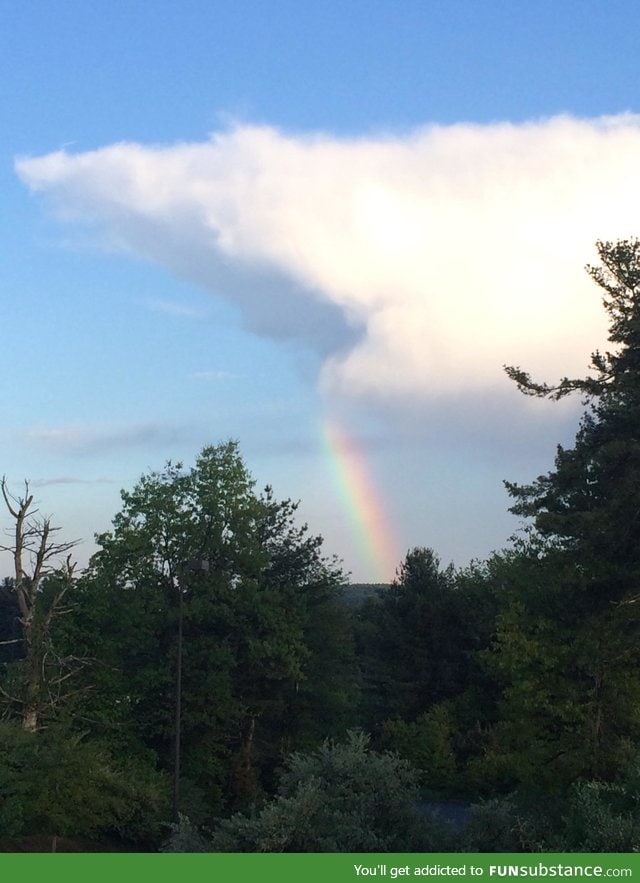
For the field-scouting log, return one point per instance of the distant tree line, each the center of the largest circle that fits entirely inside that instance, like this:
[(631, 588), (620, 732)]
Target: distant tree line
[(317, 716)]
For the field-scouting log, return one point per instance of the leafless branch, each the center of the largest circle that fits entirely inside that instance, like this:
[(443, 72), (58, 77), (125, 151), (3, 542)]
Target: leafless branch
[(33, 541), (10, 697)]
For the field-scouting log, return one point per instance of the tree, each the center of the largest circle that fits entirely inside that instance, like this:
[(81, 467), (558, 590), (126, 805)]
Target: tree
[(544, 644), (56, 784), (417, 640), (586, 522), (245, 621), (426, 693), (589, 502), (43, 574)]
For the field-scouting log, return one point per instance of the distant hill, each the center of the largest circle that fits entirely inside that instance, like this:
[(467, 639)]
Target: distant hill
[(355, 594)]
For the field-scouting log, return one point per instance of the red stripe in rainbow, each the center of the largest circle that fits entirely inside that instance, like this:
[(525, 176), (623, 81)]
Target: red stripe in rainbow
[(375, 536)]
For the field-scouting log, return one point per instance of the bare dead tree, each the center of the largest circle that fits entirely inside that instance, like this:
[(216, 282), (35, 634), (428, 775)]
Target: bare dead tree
[(36, 557)]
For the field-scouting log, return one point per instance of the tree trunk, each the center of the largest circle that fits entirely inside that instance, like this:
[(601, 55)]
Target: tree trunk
[(30, 712), (597, 727), (246, 777)]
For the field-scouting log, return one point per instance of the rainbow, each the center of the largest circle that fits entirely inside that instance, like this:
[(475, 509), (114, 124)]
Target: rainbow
[(374, 535)]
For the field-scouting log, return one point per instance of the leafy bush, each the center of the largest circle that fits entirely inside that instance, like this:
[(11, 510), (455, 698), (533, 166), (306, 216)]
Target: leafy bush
[(602, 817), (185, 837), (340, 798), (53, 783), (491, 827), (593, 817)]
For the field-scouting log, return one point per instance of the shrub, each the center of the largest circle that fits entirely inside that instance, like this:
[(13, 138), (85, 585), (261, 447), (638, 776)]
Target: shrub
[(602, 817), (340, 798), (56, 784)]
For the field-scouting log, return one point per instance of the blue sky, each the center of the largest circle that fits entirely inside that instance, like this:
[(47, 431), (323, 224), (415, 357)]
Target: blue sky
[(246, 219)]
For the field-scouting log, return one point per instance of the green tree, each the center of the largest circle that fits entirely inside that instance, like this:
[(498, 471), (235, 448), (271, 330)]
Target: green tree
[(428, 744), (571, 637), (588, 503), (55, 783), (245, 630), (326, 702), (418, 640), (542, 735), (409, 661), (426, 692)]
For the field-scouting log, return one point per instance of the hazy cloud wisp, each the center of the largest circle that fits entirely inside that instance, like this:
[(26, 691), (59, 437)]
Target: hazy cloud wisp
[(81, 440)]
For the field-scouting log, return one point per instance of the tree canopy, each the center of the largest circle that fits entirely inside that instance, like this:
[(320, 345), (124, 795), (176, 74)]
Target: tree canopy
[(248, 621)]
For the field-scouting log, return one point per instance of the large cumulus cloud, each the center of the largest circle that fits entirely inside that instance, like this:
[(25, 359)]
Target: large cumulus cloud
[(416, 265)]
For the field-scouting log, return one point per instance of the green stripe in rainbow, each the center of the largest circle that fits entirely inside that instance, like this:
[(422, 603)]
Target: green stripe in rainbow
[(374, 535)]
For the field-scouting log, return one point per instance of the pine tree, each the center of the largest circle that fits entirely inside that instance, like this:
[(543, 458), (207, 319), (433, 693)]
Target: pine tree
[(581, 616), (590, 502)]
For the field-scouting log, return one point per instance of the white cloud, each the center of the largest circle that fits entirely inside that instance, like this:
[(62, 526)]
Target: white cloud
[(417, 265)]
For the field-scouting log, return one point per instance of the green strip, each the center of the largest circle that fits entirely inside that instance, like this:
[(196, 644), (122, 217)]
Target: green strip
[(310, 868)]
